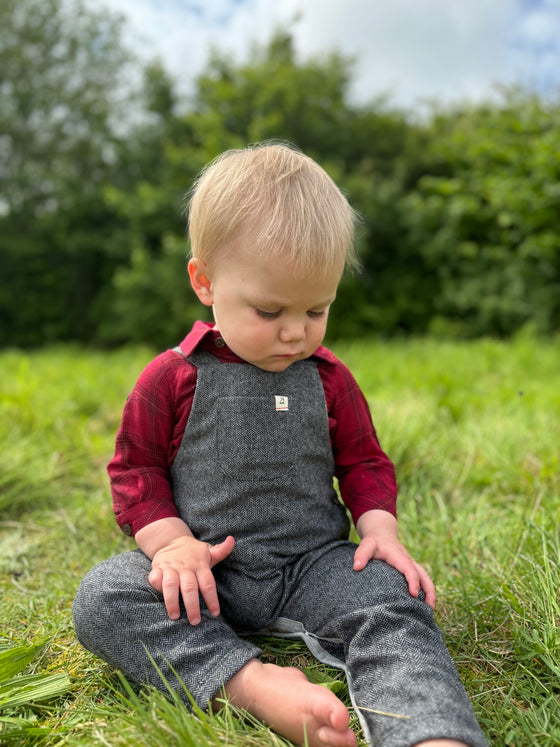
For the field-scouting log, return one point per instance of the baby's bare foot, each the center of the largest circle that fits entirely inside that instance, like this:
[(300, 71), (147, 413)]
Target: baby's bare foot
[(284, 699)]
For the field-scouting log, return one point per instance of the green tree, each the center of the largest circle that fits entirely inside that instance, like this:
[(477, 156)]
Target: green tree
[(147, 298), (62, 66), (485, 216), (61, 104)]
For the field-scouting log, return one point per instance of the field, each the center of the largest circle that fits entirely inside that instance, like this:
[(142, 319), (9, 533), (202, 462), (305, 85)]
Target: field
[(474, 431)]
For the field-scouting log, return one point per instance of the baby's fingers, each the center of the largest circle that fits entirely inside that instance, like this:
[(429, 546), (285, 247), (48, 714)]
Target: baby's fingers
[(417, 579), (170, 589), (155, 578), (364, 553), (207, 587), (412, 577), (189, 592), (427, 586), (220, 551)]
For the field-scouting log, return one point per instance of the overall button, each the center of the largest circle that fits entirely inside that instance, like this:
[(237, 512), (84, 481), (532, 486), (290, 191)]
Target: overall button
[(219, 342)]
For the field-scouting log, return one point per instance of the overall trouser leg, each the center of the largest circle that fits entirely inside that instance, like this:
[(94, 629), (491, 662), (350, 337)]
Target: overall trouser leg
[(393, 652), (123, 620)]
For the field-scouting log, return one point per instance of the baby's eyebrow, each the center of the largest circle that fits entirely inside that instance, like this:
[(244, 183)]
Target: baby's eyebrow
[(279, 304), (325, 303)]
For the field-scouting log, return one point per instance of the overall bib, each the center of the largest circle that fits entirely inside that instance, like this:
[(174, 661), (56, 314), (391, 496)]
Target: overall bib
[(255, 462)]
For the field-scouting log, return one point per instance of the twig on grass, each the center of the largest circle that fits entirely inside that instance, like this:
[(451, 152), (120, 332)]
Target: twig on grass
[(381, 713)]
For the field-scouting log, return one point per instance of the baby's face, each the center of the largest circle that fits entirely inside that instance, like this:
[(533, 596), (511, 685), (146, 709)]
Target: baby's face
[(269, 315)]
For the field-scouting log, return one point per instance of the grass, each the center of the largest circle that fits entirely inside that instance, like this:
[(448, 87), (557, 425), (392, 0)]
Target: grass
[(473, 428)]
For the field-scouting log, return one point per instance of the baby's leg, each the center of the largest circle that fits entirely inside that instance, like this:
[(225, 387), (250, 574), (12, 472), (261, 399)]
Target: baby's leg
[(404, 685), (284, 699), (119, 617)]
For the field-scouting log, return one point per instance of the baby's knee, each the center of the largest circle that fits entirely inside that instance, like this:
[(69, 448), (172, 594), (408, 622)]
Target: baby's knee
[(387, 596), (383, 581), (106, 588)]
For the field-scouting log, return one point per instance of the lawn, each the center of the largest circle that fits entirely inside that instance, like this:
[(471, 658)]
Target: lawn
[(474, 431)]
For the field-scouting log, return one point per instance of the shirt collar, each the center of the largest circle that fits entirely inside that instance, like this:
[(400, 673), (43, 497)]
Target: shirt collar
[(204, 335)]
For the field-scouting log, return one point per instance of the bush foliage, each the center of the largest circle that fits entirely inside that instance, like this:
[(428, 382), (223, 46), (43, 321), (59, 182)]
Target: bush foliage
[(461, 226)]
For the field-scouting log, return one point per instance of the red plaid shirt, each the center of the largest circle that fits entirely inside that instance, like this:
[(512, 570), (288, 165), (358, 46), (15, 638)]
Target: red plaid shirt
[(156, 414)]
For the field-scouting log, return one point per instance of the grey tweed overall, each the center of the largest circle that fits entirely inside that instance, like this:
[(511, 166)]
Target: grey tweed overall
[(255, 462)]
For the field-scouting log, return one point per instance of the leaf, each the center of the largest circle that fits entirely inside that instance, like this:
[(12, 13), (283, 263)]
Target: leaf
[(321, 678), (16, 659), (31, 688)]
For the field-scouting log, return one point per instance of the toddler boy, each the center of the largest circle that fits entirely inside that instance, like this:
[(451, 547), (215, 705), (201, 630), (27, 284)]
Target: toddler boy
[(223, 473)]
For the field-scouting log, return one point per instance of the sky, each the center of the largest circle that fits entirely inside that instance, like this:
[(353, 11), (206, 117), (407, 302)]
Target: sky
[(415, 50)]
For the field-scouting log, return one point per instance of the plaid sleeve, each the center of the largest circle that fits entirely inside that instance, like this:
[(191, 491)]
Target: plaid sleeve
[(153, 421), (366, 475)]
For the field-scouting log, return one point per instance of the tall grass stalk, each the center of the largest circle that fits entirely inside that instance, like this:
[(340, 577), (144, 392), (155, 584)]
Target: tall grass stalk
[(473, 428)]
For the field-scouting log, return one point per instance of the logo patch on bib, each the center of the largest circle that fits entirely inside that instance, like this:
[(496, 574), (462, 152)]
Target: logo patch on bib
[(281, 403)]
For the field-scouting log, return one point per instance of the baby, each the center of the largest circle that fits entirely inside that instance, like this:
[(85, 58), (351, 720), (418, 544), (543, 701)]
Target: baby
[(223, 473)]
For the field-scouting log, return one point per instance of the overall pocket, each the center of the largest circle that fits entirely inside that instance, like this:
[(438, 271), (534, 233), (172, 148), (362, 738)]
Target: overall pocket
[(255, 440)]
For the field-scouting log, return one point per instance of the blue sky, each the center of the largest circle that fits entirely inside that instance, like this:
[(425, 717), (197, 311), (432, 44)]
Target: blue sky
[(416, 49)]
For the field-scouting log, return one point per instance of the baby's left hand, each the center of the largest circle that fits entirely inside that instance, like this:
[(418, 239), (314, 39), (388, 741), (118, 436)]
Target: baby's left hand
[(380, 541)]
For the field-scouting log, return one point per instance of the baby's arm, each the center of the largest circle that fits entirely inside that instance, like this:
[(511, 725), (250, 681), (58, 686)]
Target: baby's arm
[(181, 565), (379, 535)]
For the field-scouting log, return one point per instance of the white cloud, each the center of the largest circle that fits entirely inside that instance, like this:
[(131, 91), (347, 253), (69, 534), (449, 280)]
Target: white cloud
[(416, 49), (428, 48)]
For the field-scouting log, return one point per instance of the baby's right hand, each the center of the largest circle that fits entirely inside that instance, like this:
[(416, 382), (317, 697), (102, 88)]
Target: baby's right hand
[(183, 567)]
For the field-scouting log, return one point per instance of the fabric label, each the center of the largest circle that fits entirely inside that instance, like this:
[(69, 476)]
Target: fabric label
[(281, 402)]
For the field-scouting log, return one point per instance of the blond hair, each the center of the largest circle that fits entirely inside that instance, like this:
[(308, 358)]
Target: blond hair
[(281, 200)]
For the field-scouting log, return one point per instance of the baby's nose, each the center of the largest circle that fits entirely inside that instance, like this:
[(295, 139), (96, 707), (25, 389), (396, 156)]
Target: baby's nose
[(293, 331)]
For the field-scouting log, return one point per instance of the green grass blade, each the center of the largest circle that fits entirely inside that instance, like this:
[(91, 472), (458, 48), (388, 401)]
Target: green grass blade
[(17, 658), (32, 688)]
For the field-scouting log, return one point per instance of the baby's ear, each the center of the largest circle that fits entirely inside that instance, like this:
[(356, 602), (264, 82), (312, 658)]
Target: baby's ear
[(201, 285)]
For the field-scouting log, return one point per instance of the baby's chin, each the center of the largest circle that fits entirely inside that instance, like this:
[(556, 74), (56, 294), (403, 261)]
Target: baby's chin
[(275, 364)]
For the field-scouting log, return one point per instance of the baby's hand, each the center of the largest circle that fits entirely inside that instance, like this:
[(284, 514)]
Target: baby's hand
[(394, 553), (378, 530), (183, 567)]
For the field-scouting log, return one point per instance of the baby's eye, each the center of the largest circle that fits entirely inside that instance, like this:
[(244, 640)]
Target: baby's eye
[(267, 314), (316, 314)]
